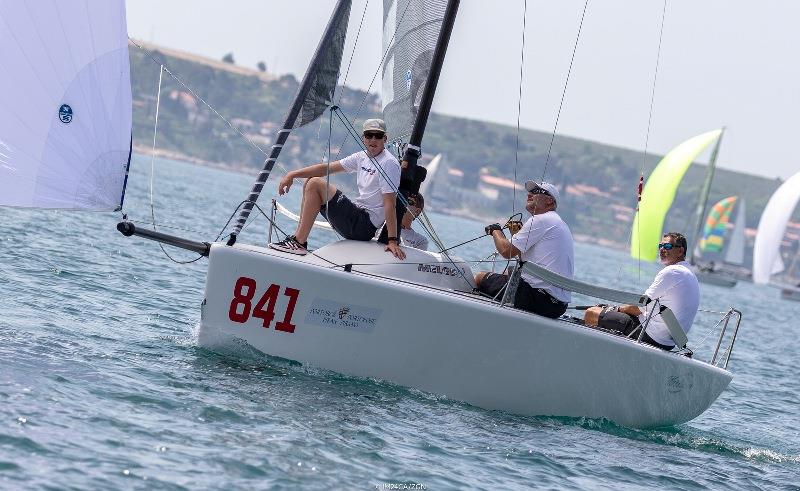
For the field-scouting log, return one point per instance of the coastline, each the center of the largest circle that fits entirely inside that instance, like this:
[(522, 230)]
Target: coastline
[(463, 212)]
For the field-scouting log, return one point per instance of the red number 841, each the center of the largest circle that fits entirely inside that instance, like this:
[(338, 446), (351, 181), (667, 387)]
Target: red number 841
[(243, 293)]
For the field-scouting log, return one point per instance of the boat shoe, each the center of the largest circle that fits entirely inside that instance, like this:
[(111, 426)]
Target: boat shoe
[(290, 245)]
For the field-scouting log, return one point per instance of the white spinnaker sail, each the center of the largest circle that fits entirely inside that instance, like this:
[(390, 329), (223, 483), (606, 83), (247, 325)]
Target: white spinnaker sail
[(735, 253), (65, 104), (432, 168), (771, 228)]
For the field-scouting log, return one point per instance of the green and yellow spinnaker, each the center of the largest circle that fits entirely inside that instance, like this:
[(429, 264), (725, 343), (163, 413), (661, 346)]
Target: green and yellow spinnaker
[(659, 192)]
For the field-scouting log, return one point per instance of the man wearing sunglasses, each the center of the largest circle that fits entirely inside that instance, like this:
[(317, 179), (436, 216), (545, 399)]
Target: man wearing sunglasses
[(378, 177), (675, 287), (544, 240)]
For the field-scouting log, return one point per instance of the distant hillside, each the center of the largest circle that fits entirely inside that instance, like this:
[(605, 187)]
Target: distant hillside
[(598, 181)]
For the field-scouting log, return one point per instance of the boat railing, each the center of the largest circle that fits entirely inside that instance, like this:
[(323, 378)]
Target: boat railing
[(721, 356), (722, 360)]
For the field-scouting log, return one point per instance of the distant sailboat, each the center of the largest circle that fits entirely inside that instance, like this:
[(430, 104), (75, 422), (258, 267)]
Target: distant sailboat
[(659, 193), (771, 229), (713, 241)]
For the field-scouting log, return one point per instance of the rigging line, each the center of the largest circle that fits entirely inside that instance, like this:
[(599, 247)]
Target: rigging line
[(328, 168), (564, 92), (153, 171), (519, 104), (375, 75), (352, 54), (209, 106), (465, 242), (153, 154), (647, 134)]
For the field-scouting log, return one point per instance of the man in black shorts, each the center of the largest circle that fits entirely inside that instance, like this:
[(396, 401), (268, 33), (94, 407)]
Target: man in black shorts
[(378, 177), (544, 240)]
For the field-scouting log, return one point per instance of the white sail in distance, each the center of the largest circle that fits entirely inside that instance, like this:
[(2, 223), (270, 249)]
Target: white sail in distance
[(771, 227), (65, 115), (735, 248)]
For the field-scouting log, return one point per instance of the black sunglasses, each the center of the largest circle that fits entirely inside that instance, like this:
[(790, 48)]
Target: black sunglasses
[(376, 135), (667, 246), (539, 191)]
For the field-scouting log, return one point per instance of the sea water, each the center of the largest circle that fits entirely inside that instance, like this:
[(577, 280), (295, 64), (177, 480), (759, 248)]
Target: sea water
[(103, 385)]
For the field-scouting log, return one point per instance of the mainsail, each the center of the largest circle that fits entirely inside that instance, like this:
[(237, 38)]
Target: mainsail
[(771, 227), (65, 124), (410, 31), (659, 193), (313, 97)]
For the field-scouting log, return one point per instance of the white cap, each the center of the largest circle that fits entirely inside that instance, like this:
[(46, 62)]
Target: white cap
[(550, 188), (374, 125)]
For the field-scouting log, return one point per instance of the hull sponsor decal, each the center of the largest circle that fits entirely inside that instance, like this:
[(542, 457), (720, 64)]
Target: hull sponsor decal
[(340, 315)]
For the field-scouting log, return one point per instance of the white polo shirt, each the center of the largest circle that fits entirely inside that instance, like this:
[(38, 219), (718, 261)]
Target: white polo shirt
[(545, 240), (372, 183), (677, 288)]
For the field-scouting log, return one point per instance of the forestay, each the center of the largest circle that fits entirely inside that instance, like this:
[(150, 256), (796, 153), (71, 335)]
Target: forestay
[(410, 31), (65, 115)]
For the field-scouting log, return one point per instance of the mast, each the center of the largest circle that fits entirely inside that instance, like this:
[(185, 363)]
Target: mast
[(409, 180), (325, 50), (700, 211)]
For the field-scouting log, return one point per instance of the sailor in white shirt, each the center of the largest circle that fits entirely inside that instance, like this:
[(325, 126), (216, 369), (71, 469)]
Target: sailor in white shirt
[(544, 240), (378, 177), (675, 287)]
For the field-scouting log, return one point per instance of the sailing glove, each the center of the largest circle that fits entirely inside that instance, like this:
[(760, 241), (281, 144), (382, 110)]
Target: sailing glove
[(491, 228)]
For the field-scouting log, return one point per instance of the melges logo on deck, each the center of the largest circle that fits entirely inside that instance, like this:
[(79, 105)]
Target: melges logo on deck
[(439, 269), (65, 113)]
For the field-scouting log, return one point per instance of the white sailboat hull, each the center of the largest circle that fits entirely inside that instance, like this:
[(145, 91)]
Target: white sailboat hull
[(447, 342)]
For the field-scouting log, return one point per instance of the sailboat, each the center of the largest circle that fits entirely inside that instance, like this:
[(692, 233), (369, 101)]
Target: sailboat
[(767, 259), (351, 308), (657, 198), (713, 241)]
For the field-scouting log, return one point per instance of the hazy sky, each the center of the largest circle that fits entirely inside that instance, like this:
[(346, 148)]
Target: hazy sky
[(723, 62)]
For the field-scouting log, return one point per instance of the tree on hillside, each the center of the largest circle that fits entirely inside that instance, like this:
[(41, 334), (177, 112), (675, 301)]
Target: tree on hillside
[(262, 67), (228, 58)]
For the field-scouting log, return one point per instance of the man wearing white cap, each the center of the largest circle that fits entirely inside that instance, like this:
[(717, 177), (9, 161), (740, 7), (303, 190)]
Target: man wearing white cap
[(544, 240), (378, 177)]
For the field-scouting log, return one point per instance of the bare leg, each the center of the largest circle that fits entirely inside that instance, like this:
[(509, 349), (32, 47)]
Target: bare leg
[(313, 198), (479, 277)]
